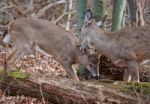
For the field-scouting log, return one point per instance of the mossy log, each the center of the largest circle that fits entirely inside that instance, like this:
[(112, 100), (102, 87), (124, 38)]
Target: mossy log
[(60, 90)]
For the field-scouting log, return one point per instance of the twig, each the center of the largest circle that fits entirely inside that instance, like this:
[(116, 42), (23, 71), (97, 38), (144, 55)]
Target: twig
[(3, 49), (69, 15), (60, 17), (13, 6), (81, 95), (43, 100), (30, 6), (9, 14), (42, 11), (64, 13), (6, 7), (21, 11), (139, 100)]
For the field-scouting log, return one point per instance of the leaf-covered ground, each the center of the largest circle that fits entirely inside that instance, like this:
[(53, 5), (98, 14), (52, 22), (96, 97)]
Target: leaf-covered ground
[(19, 100), (35, 63), (32, 63)]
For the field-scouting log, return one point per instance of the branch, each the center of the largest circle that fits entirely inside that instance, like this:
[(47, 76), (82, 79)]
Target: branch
[(65, 13), (6, 7), (13, 6), (69, 15), (42, 11)]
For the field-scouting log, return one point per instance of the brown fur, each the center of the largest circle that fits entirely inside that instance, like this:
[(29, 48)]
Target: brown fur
[(130, 45), (27, 33)]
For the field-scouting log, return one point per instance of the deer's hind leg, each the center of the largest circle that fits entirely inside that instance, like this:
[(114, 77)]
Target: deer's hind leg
[(132, 72), (18, 51)]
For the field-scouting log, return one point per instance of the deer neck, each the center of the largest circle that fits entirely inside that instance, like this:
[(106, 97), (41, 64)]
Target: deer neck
[(100, 40)]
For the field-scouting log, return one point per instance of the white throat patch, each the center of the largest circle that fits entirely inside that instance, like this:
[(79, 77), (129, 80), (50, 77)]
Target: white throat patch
[(7, 39)]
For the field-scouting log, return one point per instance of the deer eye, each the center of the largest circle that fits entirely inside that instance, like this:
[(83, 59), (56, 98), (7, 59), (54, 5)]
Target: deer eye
[(91, 65)]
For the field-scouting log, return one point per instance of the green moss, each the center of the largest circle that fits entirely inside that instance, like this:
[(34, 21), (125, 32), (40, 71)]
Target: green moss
[(17, 74), (80, 70), (130, 88), (142, 88)]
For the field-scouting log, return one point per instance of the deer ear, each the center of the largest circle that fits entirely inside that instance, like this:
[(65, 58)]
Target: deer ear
[(100, 20), (88, 16)]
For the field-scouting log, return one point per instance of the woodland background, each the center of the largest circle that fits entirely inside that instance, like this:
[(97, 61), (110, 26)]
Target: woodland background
[(63, 13)]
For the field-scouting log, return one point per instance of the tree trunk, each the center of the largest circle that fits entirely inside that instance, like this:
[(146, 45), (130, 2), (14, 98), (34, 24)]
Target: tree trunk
[(136, 13), (69, 9), (132, 8), (81, 9), (117, 16), (98, 9), (139, 13)]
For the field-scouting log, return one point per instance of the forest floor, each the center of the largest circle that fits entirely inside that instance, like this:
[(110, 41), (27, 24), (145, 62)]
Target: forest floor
[(32, 63), (38, 64)]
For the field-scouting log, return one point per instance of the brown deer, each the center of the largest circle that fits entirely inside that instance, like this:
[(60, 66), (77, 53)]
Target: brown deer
[(129, 45), (48, 39)]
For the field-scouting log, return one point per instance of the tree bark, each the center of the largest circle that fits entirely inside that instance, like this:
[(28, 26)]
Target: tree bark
[(64, 91), (136, 13), (81, 9), (99, 9), (132, 8), (117, 16), (139, 13)]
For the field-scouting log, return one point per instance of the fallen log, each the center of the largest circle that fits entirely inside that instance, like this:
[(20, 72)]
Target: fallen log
[(64, 91)]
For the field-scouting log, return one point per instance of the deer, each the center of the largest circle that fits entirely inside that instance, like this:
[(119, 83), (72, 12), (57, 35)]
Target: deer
[(46, 38), (130, 46)]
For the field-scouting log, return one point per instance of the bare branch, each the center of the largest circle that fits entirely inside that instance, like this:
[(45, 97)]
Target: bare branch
[(42, 11), (60, 17), (69, 15), (13, 6), (65, 13), (6, 7), (9, 14), (139, 100)]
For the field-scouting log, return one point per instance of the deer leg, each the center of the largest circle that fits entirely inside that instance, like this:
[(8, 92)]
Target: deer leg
[(127, 75), (70, 72), (132, 67), (14, 55)]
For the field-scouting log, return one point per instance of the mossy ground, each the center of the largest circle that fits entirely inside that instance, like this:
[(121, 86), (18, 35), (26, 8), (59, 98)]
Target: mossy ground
[(131, 88), (15, 74)]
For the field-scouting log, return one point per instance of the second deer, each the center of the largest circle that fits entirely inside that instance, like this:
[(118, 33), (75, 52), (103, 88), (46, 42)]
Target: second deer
[(128, 45)]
